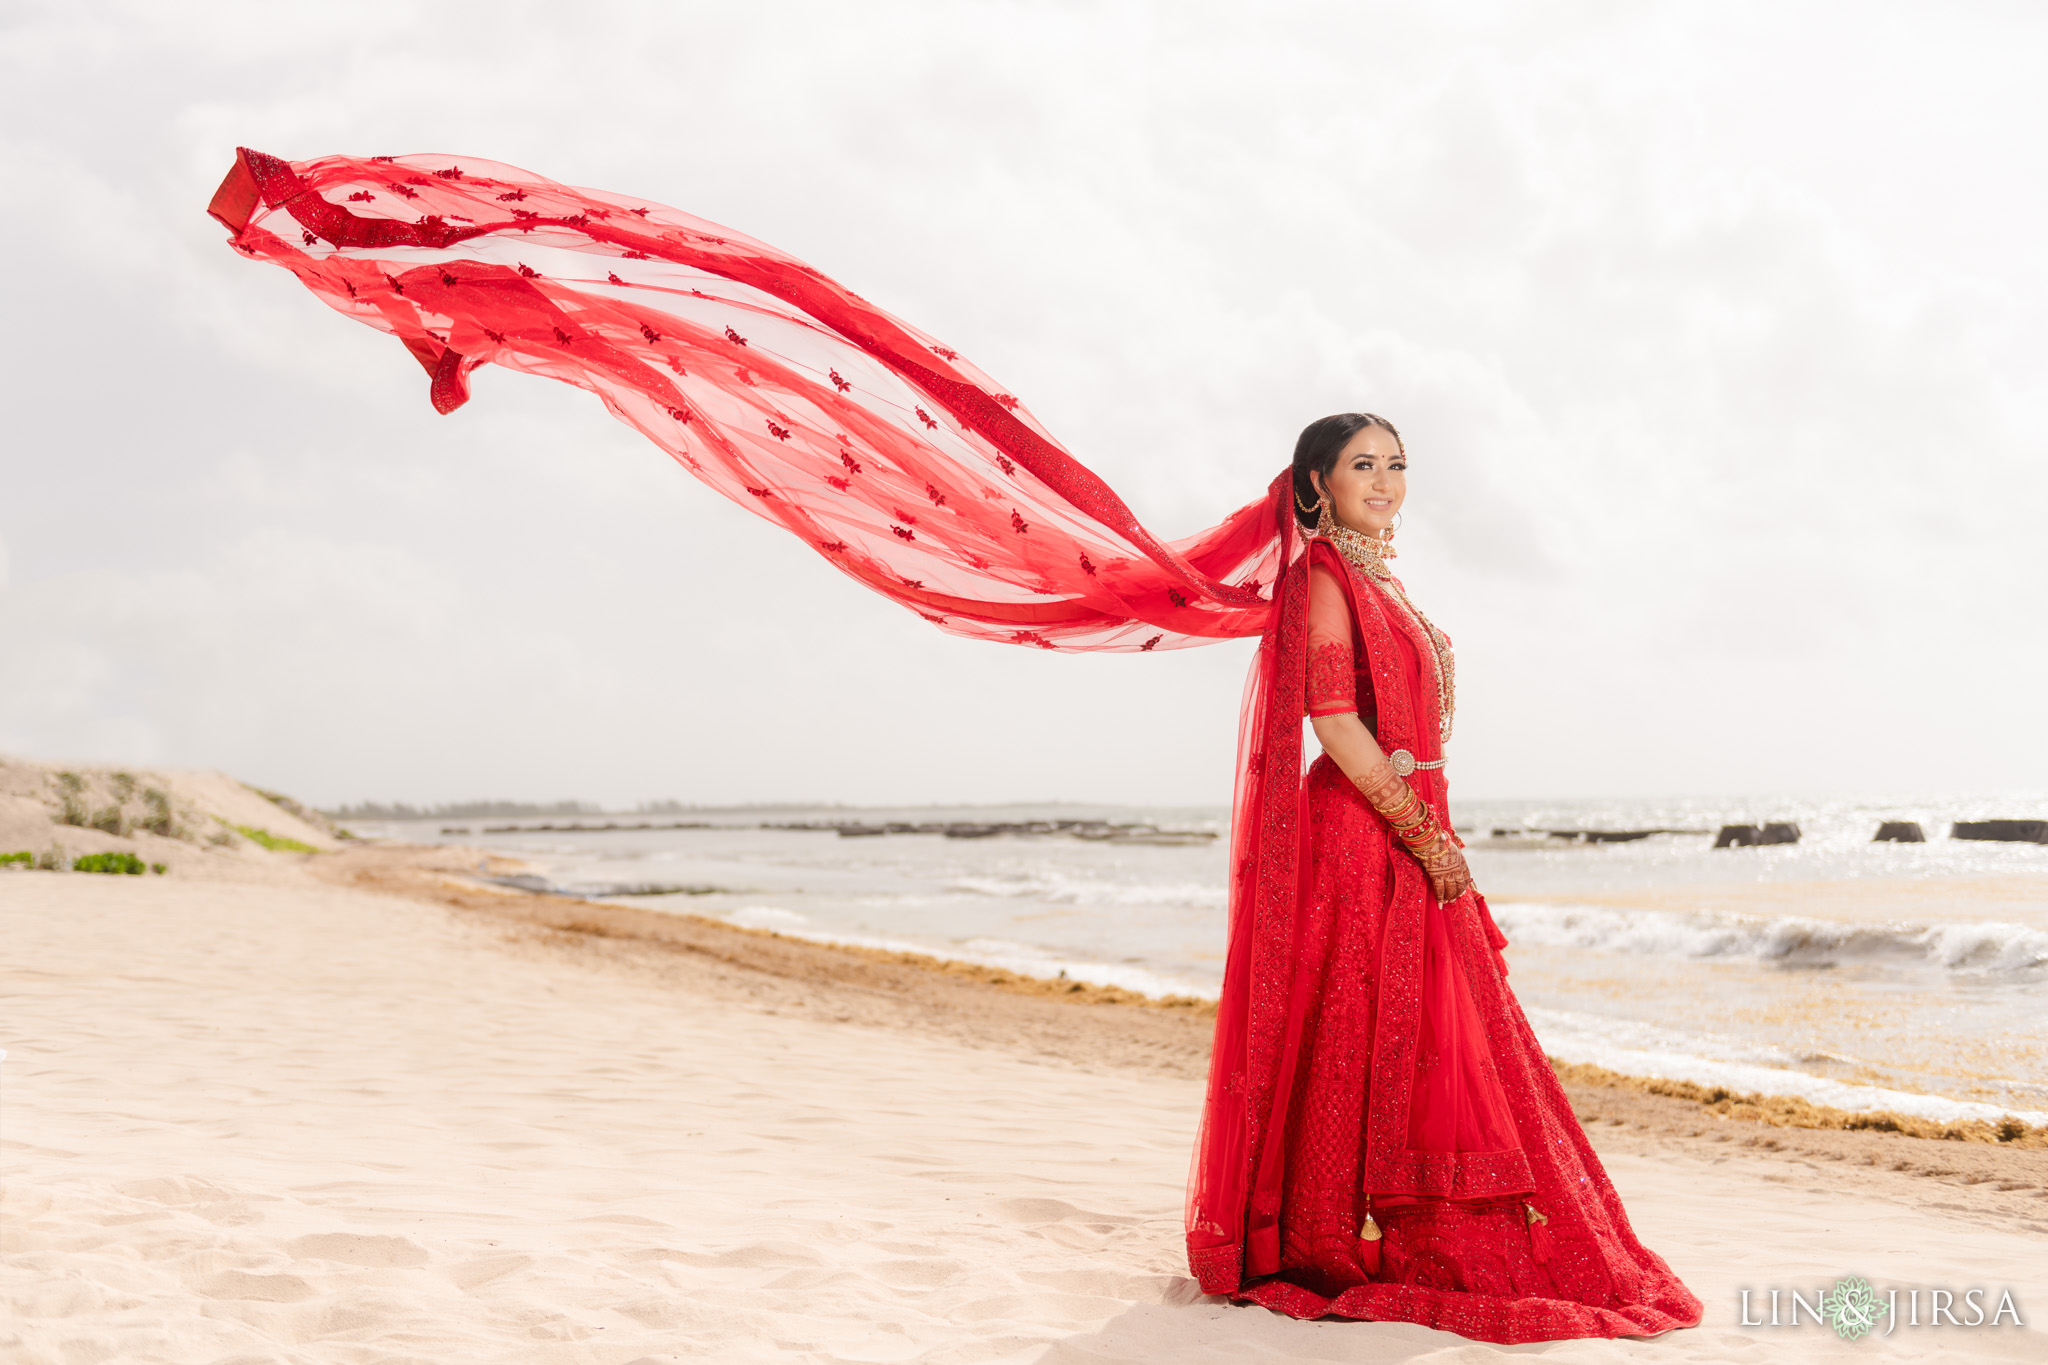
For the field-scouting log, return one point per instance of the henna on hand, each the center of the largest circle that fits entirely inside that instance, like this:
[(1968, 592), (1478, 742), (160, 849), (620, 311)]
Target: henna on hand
[(1444, 862)]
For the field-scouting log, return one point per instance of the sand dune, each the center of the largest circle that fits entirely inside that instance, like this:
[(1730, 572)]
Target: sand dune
[(299, 1122), (191, 821)]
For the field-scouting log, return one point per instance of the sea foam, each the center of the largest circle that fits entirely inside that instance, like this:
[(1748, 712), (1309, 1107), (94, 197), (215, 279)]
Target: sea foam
[(1595, 1040), (1984, 947), (1024, 959)]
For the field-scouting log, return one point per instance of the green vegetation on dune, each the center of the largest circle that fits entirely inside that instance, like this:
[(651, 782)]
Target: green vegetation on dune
[(54, 860), (299, 810), (275, 842), (111, 862), (72, 789), (158, 819), (76, 807), (127, 806)]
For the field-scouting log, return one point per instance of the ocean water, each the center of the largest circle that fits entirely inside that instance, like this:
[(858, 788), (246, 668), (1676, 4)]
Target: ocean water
[(1911, 977)]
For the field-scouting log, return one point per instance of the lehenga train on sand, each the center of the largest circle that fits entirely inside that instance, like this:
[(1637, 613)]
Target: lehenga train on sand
[(1383, 1137)]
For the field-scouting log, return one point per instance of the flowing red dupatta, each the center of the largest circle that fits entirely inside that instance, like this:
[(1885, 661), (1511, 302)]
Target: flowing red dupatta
[(911, 471), (901, 463)]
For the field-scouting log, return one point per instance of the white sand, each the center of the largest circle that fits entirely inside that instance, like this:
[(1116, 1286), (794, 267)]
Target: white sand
[(295, 1123)]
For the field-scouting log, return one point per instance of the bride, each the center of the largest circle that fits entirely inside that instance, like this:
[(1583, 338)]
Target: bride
[(1383, 1137)]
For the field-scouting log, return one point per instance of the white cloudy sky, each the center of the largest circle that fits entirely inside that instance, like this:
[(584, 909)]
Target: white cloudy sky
[(1717, 332)]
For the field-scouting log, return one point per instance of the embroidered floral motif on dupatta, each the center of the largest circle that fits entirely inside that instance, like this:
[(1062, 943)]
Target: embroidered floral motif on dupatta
[(884, 450)]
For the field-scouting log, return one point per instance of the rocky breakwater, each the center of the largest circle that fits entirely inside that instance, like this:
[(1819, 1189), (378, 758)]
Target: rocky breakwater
[(1099, 831)]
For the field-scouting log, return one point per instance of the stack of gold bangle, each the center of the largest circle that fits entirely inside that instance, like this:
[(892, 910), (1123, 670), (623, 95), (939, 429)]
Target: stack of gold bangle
[(1413, 821)]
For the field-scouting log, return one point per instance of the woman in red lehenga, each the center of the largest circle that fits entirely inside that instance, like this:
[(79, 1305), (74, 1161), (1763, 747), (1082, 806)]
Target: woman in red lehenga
[(1383, 1138)]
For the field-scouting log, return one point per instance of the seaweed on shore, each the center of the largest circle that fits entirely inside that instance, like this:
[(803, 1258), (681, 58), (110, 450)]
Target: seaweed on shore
[(1060, 987), (1790, 1111)]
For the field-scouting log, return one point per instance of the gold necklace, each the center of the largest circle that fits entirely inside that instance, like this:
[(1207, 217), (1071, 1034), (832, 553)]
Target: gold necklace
[(1363, 552)]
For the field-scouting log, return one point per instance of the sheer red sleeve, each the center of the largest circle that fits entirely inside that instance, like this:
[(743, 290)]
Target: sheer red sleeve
[(1332, 687)]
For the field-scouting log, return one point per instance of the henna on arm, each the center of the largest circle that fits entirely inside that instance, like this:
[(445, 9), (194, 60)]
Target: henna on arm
[(1353, 749), (1332, 698)]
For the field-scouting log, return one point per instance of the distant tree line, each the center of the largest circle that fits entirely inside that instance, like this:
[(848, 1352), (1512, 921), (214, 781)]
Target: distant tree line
[(474, 810), (460, 810)]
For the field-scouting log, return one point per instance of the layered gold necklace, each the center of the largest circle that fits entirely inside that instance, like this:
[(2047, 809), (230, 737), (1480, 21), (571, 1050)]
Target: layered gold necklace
[(1367, 554)]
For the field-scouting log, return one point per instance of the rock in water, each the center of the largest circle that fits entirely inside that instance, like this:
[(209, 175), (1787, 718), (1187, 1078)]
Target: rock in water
[(1749, 836), (2002, 831)]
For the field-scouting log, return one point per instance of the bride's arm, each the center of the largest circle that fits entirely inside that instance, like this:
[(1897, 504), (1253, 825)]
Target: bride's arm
[(1332, 703), (1352, 748)]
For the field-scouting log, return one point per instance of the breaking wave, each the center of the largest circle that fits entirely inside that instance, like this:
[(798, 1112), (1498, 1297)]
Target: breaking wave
[(1062, 889), (1983, 947)]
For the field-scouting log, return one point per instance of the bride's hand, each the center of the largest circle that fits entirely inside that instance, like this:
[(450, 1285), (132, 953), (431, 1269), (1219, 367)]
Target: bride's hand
[(1444, 861)]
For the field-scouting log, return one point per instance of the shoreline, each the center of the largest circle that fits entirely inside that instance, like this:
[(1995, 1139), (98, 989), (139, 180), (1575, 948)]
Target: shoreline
[(1104, 1027), (457, 884)]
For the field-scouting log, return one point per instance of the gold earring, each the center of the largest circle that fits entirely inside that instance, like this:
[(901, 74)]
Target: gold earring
[(1387, 550), (1326, 520), (1306, 508)]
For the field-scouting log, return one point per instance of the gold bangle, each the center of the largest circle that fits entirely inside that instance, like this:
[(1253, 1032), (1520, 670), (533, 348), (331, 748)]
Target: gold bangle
[(1409, 802), (1409, 819), (1422, 833)]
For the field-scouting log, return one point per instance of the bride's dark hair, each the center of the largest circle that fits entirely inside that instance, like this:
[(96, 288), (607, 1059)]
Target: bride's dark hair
[(1317, 449)]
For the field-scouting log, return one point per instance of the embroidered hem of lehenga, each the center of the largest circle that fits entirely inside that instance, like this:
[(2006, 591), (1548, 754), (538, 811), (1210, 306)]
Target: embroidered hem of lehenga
[(1472, 1267), (1451, 1175), (1477, 1317)]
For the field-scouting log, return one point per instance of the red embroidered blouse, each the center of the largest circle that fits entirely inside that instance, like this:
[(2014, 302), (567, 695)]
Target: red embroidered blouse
[(1339, 678)]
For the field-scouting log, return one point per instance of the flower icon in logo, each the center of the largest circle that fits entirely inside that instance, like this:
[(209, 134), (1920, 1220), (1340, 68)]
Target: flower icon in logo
[(1852, 1307)]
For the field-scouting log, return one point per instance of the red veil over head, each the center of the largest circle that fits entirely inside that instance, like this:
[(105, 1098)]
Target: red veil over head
[(901, 463)]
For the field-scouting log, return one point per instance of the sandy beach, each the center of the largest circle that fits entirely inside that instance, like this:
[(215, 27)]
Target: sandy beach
[(356, 1109)]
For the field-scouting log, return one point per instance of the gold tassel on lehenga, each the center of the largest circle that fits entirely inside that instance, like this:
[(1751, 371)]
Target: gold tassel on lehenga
[(1539, 1233), (1369, 1241)]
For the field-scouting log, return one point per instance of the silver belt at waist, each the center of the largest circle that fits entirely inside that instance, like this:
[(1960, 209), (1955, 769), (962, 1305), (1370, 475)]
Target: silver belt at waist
[(1406, 763)]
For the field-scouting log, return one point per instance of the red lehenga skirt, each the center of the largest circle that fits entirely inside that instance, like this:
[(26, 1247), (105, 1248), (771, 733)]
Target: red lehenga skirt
[(1497, 1221)]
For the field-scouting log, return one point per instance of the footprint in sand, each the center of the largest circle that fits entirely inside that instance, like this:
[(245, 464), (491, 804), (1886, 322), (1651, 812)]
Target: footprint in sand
[(237, 1284), (354, 1248)]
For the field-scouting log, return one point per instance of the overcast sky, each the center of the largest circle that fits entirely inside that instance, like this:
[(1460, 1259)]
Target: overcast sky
[(1716, 331)]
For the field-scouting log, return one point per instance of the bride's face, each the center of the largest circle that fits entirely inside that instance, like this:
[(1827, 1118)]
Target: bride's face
[(1369, 482)]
